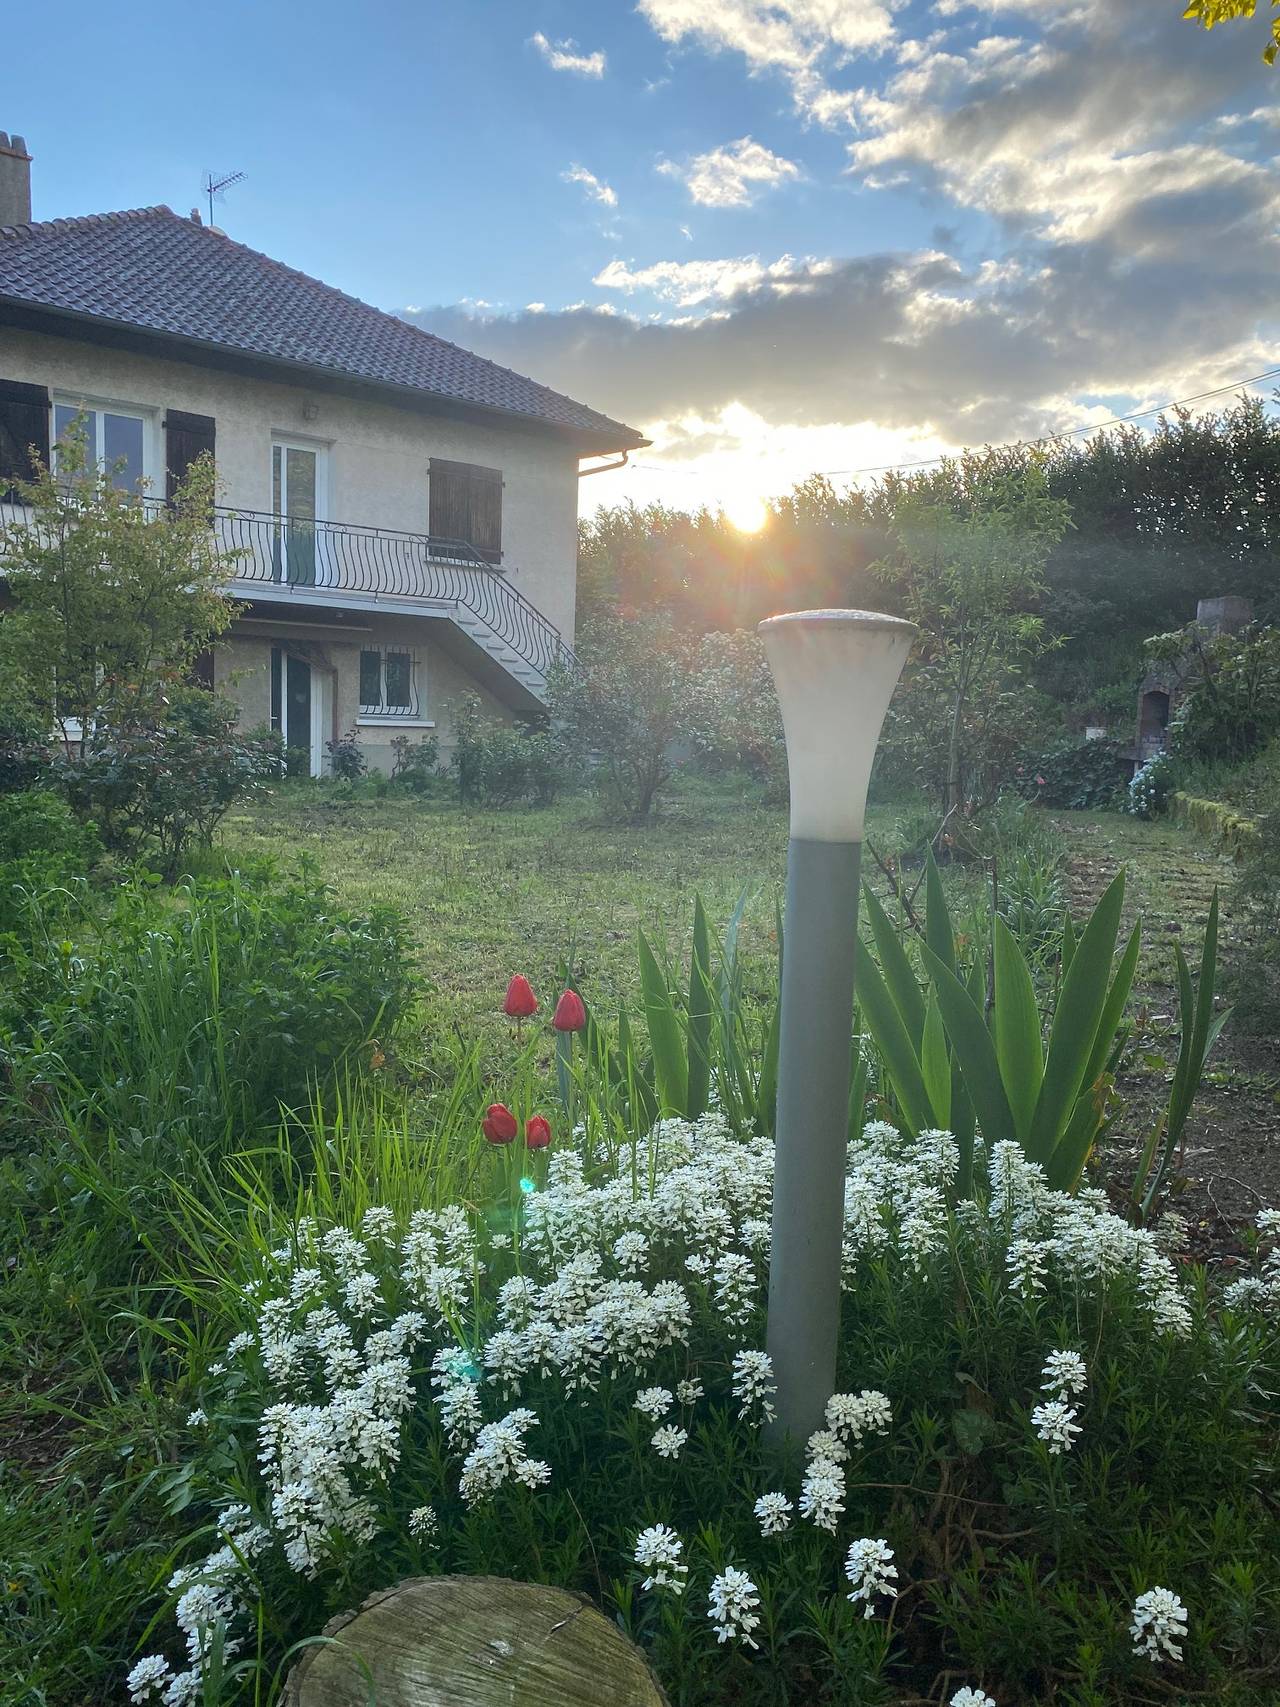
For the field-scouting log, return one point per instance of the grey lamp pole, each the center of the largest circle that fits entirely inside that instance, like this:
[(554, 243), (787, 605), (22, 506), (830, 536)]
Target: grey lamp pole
[(835, 671)]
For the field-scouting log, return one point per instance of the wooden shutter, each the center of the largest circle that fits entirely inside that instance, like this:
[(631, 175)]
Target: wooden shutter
[(185, 438), (466, 504), (24, 427)]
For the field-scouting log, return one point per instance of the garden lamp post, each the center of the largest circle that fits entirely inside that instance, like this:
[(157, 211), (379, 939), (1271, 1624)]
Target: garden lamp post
[(835, 671)]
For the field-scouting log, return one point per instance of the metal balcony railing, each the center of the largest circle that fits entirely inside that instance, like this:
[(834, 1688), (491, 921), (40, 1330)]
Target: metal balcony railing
[(284, 551)]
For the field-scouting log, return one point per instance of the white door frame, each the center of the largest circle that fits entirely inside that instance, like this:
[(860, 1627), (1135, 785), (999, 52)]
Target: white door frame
[(321, 718)]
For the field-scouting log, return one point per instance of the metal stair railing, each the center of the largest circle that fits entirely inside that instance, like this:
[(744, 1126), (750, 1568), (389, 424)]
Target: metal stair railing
[(291, 552)]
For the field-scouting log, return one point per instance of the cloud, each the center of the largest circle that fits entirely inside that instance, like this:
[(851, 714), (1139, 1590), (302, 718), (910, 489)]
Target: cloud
[(564, 56), (594, 187), (689, 283), (733, 175)]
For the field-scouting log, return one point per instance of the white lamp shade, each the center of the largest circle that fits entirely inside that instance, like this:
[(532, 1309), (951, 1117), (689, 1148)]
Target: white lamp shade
[(835, 672)]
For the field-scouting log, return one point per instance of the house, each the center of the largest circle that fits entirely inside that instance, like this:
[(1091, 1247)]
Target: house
[(405, 511)]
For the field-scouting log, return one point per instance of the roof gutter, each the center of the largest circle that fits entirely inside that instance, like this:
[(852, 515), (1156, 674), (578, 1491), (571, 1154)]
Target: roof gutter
[(605, 467)]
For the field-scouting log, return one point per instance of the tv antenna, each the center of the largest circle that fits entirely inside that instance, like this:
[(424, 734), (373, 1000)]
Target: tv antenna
[(214, 186)]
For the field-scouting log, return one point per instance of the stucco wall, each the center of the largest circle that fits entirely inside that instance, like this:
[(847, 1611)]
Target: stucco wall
[(377, 453), (242, 667)]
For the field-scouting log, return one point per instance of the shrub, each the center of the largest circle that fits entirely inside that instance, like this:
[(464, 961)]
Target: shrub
[(1086, 776), (735, 719), (1151, 785), (43, 846), (498, 765), (1041, 1425), (161, 782), (346, 757), (626, 707), (415, 765)]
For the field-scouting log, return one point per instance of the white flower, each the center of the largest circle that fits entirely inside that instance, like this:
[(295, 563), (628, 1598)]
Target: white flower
[(823, 1443), (967, 1697), (851, 1415), (870, 1569), (499, 1456), (689, 1392), (733, 1606), (774, 1512), (654, 1402), (1159, 1624), (1064, 1374), (668, 1441), (1056, 1425), (197, 1419), (658, 1551), (822, 1493), (148, 1678), (424, 1525), (753, 1383), (1025, 1260), (630, 1252), (735, 1287)]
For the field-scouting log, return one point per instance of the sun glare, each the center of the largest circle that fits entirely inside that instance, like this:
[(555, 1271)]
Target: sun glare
[(747, 513)]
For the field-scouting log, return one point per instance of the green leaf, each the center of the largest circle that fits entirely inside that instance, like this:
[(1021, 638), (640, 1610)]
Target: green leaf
[(1113, 1009), (939, 932), (899, 974), (1075, 1024), (935, 1065), (974, 1050), (669, 1066), (886, 1026), (701, 1012), (1016, 1024)]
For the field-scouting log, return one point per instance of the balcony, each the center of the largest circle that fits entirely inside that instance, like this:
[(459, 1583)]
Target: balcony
[(283, 558)]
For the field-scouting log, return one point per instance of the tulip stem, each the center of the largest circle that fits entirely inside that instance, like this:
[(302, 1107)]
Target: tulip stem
[(564, 1079)]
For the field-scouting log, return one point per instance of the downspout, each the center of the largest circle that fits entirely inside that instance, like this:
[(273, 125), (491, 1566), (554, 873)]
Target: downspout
[(604, 467)]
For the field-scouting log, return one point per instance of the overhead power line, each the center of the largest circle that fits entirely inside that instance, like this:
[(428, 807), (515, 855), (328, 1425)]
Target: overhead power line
[(1013, 444)]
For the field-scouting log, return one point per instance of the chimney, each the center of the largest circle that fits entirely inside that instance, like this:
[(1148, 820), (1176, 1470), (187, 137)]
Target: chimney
[(15, 180)]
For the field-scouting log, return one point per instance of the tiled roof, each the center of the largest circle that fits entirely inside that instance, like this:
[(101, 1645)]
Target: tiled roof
[(151, 270)]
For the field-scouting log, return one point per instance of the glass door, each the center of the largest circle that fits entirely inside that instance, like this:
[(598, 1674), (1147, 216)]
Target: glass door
[(295, 500)]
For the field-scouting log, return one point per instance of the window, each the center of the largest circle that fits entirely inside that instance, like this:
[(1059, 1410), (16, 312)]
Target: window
[(116, 439), (466, 505), (24, 427), (388, 683)]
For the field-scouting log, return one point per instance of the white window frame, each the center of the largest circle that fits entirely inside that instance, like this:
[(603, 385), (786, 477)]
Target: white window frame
[(152, 458), (414, 717), (318, 448)]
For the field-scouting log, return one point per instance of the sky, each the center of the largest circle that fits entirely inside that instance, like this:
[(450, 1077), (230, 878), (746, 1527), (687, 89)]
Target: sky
[(777, 236)]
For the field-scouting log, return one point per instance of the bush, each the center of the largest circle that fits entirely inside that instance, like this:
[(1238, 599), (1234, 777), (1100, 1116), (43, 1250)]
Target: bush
[(1086, 776), (501, 766), (160, 783), (43, 846), (415, 765), (1151, 785), (1041, 1422), (736, 722), (346, 757), (626, 708)]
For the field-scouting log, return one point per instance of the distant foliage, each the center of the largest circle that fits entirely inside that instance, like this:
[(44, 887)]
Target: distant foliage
[(735, 720), (628, 707), (497, 765), (1078, 775), (1231, 703), (415, 765), (161, 783)]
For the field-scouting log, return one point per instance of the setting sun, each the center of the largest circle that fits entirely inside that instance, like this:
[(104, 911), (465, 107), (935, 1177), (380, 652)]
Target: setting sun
[(747, 513)]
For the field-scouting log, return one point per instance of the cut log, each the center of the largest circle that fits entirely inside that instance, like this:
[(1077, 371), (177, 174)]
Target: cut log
[(473, 1642)]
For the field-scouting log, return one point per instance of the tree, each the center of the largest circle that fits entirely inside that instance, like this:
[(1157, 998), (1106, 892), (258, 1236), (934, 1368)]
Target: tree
[(971, 583), (1209, 13), (627, 706), (114, 596)]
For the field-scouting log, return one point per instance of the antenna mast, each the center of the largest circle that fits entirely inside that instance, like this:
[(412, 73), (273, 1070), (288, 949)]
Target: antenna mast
[(214, 186)]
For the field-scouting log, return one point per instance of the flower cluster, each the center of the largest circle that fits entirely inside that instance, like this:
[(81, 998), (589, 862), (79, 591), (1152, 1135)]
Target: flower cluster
[(1159, 1624), (640, 1288)]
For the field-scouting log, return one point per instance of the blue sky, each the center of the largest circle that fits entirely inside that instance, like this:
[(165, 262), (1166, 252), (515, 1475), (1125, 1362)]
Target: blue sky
[(779, 235)]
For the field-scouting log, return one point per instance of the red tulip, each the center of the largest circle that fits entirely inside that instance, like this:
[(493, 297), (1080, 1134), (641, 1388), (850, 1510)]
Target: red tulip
[(537, 1132), (521, 1001), (570, 1015), (499, 1124)]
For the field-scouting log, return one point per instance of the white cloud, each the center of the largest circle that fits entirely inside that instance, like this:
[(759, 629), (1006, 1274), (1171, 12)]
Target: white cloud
[(733, 175), (565, 56), (688, 283), (594, 187)]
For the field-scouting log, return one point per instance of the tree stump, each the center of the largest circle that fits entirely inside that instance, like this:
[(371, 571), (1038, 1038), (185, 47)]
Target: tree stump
[(473, 1642)]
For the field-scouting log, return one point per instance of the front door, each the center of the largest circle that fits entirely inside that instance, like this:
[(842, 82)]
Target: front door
[(302, 710), (295, 502)]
